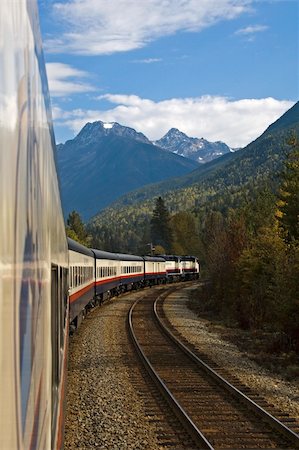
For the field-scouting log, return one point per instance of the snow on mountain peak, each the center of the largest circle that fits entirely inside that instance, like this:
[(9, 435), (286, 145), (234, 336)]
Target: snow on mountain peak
[(108, 125), (197, 149)]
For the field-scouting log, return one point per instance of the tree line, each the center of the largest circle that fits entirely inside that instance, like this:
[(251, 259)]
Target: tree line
[(247, 242)]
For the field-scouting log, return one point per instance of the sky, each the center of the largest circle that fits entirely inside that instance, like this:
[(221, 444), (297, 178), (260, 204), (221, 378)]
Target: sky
[(223, 70)]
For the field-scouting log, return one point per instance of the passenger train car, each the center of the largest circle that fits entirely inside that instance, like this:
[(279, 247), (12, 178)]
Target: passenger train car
[(33, 246), (46, 281), (96, 275)]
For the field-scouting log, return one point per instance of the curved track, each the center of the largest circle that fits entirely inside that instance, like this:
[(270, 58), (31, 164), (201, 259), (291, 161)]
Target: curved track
[(216, 414)]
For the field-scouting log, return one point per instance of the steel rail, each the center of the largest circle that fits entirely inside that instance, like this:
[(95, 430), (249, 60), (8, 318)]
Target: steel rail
[(186, 421), (271, 420)]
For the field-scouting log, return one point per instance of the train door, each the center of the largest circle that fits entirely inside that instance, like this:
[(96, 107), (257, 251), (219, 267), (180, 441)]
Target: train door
[(59, 304)]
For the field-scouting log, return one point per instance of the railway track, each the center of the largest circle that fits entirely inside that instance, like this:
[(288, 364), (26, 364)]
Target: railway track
[(215, 413)]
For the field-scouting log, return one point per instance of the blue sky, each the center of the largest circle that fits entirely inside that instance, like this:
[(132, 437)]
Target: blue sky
[(218, 69)]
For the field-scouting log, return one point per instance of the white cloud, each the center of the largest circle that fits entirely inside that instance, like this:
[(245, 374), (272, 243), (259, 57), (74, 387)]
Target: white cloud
[(252, 29), (235, 122), (63, 80), (94, 27), (147, 60)]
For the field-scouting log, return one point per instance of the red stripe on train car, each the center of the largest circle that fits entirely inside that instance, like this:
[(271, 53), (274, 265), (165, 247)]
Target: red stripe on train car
[(107, 280), (79, 293), (131, 275), (120, 278), (155, 273)]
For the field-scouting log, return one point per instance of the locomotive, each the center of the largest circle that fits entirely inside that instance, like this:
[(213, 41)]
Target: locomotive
[(46, 282)]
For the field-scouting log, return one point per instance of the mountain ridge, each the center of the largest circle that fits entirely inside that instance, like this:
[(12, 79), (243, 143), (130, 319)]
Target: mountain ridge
[(98, 166), (220, 183), (198, 149)]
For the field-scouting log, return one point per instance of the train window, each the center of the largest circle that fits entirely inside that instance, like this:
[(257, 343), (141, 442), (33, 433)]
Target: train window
[(63, 299)]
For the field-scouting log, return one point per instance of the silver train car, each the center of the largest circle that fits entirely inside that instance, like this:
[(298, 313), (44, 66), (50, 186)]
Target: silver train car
[(33, 245), (97, 275)]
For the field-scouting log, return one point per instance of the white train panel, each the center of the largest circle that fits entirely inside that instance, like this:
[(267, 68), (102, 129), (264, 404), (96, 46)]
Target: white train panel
[(33, 245)]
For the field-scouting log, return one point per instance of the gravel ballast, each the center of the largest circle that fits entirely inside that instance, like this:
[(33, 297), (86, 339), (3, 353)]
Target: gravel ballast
[(105, 405), (103, 408), (284, 395)]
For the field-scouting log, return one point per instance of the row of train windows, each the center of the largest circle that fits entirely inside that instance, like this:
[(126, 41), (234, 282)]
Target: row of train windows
[(106, 272), (80, 275), (131, 269)]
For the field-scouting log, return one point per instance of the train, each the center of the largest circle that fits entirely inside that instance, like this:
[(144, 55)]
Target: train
[(97, 275), (47, 283)]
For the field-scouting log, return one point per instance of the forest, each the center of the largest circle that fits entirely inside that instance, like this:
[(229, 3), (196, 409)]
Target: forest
[(247, 240)]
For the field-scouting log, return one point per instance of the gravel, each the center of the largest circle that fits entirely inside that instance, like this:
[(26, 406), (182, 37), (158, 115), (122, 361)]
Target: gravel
[(284, 395), (103, 408)]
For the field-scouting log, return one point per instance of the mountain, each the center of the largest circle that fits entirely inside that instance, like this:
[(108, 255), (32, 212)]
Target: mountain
[(104, 161), (94, 131), (199, 150), (220, 184)]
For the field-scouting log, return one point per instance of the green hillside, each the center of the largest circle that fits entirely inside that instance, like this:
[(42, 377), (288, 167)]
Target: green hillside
[(219, 185)]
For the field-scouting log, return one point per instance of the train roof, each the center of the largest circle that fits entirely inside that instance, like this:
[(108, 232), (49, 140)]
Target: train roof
[(170, 257), (189, 258), (76, 247), (154, 258), (101, 254)]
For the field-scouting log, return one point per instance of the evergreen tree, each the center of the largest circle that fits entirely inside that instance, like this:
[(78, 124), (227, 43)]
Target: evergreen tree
[(76, 229), (288, 203), (186, 237), (161, 233)]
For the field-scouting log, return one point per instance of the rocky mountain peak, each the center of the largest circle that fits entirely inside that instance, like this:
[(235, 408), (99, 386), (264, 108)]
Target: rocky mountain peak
[(198, 149), (93, 131)]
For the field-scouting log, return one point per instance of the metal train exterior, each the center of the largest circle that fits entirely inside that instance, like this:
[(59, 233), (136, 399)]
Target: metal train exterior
[(46, 282), (33, 247), (96, 275)]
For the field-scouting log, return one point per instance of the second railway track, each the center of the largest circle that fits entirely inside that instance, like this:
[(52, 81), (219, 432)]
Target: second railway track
[(216, 414)]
